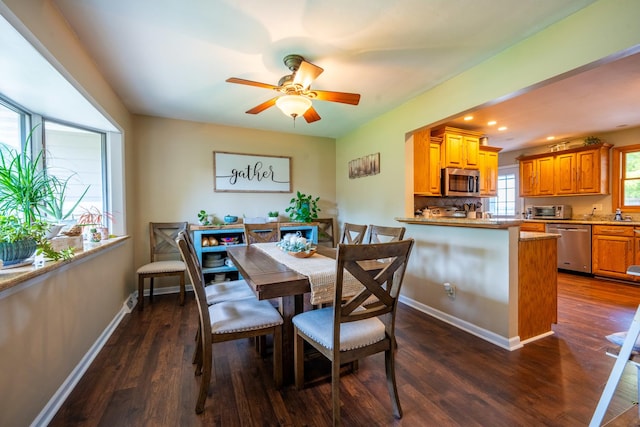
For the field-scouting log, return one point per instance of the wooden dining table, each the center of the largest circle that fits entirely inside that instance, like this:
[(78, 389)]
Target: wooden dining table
[(271, 279)]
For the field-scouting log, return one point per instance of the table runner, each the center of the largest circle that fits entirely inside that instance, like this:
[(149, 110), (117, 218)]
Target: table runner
[(320, 270)]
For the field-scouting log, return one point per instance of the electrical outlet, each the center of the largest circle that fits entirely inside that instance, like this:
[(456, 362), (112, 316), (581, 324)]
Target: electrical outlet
[(597, 207), (450, 290)]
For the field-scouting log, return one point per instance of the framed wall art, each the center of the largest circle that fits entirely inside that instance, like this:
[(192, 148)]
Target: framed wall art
[(237, 172), (364, 166)]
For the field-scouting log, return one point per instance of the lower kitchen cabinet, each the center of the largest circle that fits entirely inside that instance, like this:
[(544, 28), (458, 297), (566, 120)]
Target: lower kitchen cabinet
[(533, 226), (211, 241), (612, 250)]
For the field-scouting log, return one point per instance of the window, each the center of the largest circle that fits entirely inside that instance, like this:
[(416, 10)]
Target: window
[(77, 154), (70, 152), (505, 204), (626, 178), (12, 125)]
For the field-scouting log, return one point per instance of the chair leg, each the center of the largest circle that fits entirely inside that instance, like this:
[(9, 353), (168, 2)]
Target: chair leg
[(140, 292), (335, 390), (197, 354), (151, 289), (391, 382), (182, 288), (298, 359), (277, 356), (207, 362)]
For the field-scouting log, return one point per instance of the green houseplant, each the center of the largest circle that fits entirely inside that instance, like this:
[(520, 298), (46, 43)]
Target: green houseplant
[(24, 188), (303, 208)]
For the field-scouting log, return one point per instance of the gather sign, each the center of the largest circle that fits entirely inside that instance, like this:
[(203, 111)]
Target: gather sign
[(236, 172)]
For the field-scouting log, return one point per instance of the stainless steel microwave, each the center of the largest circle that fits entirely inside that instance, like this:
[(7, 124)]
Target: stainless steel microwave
[(460, 182), (549, 212)]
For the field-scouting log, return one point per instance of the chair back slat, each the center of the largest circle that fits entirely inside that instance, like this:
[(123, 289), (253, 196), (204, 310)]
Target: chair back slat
[(384, 282), (190, 257), (261, 233), (162, 237), (382, 234), (353, 234)]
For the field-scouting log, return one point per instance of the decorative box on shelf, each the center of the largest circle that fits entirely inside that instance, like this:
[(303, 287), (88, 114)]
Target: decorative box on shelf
[(64, 242)]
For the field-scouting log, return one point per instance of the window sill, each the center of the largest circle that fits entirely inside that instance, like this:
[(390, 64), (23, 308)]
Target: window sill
[(10, 277)]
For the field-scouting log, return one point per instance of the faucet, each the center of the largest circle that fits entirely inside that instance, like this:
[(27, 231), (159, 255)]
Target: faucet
[(618, 216)]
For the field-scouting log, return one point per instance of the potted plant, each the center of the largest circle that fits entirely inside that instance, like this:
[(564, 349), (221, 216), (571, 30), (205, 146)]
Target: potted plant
[(54, 207), (24, 187), (93, 220), (303, 208), (272, 216)]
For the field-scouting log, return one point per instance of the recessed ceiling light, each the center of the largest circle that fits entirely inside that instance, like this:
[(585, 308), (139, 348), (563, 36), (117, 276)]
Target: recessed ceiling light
[(551, 138), (492, 122), (501, 128), (467, 118)]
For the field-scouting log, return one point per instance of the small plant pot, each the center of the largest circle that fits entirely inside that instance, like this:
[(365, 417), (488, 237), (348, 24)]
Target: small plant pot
[(16, 253), (272, 219)]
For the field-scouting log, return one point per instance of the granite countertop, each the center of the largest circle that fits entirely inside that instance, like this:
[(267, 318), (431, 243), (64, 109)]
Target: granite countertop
[(463, 222), (534, 235), (595, 221)]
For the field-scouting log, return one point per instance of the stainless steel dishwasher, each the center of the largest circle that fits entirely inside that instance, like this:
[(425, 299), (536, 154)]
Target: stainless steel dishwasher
[(574, 246)]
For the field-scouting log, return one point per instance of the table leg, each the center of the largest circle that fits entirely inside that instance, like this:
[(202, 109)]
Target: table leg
[(289, 307)]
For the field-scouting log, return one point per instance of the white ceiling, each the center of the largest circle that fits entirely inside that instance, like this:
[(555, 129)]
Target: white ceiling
[(171, 58)]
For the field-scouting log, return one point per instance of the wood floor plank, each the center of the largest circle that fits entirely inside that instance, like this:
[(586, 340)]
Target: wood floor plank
[(446, 377)]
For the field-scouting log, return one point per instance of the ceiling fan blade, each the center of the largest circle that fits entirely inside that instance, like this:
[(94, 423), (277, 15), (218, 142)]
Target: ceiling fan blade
[(344, 97), (306, 74), (251, 83), (260, 108), (311, 115)]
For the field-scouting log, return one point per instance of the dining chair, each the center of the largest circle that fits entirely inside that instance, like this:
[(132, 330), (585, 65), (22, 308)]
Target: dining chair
[(349, 331), (353, 234), (261, 233), (227, 321), (163, 253), (326, 231), (215, 292), (382, 234)]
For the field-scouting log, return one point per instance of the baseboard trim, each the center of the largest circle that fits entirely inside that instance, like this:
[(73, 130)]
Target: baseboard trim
[(51, 408), (510, 344)]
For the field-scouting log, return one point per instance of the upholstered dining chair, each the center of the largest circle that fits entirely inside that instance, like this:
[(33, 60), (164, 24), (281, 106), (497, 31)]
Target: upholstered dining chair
[(382, 234), (164, 258), (227, 321), (261, 233), (353, 234), (349, 331), (214, 293)]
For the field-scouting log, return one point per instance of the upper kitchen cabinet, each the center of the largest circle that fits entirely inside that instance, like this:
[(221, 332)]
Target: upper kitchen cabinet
[(488, 165), (536, 176), (460, 147), (577, 171), (426, 164)]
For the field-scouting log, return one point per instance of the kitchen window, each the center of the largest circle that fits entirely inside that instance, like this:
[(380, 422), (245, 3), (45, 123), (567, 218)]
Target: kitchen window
[(505, 204), (626, 181)]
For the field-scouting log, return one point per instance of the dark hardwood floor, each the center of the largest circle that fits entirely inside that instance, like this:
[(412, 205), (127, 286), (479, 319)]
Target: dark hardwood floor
[(446, 377)]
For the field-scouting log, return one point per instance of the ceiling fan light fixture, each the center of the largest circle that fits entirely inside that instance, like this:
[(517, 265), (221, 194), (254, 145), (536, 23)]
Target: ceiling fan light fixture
[(293, 105)]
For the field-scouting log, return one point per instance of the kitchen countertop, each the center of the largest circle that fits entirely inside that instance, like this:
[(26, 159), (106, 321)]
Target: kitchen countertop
[(463, 222), (535, 235), (597, 221)]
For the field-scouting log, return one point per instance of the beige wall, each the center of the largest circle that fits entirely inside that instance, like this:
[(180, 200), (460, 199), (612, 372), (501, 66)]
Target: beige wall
[(174, 177)]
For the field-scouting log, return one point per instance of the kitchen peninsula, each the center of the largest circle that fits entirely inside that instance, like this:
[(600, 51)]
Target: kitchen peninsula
[(504, 280)]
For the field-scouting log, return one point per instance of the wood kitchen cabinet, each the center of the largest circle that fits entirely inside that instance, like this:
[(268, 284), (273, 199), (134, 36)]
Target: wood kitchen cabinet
[(460, 147), (612, 250), (488, 165), (426, 164), (536, 176), (533, 226), (577, 171)]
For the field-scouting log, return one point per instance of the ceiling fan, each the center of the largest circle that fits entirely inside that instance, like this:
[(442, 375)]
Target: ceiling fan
[(296, 91)]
